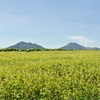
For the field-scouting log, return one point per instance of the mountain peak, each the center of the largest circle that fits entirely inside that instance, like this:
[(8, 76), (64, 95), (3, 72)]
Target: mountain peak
[(25, 45), (72, 43), (73, 46)]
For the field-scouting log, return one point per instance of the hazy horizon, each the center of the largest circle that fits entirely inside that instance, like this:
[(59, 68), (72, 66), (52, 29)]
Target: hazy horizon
[(52, 23)]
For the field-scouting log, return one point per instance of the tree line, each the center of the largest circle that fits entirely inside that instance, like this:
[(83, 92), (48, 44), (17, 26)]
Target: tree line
[(29, 50)]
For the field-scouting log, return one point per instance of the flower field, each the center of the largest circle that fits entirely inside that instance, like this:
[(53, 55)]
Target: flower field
[(50, 75)]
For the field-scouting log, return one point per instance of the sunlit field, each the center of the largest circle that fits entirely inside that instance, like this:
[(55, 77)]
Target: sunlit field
[(50, 75)]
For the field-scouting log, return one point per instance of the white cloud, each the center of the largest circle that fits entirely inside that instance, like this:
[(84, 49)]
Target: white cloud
[(82, 39)]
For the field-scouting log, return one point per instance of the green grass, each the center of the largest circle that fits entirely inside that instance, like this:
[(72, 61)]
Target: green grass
[(50, 75)]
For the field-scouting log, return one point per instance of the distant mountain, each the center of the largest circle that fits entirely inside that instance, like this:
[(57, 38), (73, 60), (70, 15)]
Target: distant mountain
[(70, 46), (73, 46), (96, 48), (25, 45)]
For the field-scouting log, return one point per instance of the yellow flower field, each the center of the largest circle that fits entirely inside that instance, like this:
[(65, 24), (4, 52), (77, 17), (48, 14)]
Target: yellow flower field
[(50, 75)]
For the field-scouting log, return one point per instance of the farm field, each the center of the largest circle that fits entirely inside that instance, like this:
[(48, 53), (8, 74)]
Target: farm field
[(50, 75)]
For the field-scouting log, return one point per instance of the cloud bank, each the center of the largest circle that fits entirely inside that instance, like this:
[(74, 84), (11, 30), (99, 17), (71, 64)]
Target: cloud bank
[(82, 39)]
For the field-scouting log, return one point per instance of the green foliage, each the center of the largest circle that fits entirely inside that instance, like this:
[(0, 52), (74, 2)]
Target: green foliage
[(36, 49), (57, 75), (30, 50)]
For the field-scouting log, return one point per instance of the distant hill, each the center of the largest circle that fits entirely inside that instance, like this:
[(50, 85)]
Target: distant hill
[(96, 48), (70, 46), (25, 45), (73, 46)]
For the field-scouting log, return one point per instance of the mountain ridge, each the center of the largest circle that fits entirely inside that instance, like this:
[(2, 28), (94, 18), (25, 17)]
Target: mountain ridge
[(73, 46), (25, 45), (69, 46)]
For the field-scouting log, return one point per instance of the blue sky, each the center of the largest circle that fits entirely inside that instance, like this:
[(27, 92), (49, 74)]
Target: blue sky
[(50, 23)]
